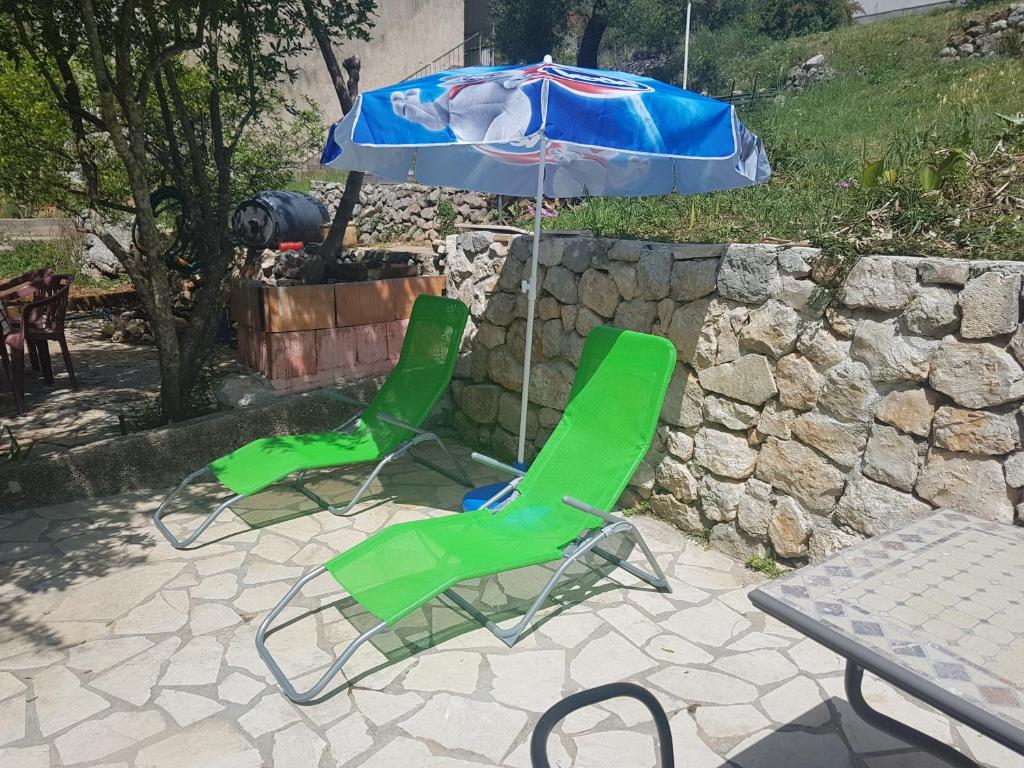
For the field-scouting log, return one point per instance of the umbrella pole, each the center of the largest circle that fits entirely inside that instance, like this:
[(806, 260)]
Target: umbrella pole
[(531, 297)]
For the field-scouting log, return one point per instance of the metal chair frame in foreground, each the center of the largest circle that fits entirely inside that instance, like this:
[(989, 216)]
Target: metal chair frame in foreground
[(589, 541), (562, 709), (420, 436)]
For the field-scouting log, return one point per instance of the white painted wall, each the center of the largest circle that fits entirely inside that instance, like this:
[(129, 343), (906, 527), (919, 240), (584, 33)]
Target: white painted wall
[(875, 10), (407, 35)]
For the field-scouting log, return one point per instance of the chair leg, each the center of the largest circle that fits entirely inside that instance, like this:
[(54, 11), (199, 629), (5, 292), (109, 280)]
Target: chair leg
[(162, 509), (6, 362), (511, 635), (282, 679), (459, 476), (42, 348), (300, 486), (66, 354), (33, 356), (18, 377), (656, 580)]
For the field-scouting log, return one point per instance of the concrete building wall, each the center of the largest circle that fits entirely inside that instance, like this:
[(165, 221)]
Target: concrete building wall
[(876, 10), (407, 35)]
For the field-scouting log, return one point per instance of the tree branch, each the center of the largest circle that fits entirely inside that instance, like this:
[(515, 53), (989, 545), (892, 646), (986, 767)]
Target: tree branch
[(47, 75), (176, 163), (99, 202), (334, 69), (239, 130), (197, 155), (176, 48)]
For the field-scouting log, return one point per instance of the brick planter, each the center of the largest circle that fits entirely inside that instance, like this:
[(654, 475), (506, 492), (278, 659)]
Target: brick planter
[(307, 336)]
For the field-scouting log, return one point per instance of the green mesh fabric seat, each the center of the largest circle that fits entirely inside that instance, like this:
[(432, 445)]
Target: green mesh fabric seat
[(383, 430), (564, 499), (417, 382), (263, 462)]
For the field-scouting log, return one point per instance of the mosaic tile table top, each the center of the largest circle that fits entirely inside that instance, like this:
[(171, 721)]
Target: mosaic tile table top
[(940, 597)]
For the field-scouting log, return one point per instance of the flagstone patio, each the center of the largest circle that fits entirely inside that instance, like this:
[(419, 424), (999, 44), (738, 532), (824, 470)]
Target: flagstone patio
[(117, 650)]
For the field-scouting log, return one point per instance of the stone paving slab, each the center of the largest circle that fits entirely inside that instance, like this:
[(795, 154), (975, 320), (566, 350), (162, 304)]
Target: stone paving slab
[(116, 649)]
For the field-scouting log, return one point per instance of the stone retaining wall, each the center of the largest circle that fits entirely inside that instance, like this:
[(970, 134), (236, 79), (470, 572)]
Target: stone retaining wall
[(1001, 32), (388, 212), (799, 415), (159, 458)]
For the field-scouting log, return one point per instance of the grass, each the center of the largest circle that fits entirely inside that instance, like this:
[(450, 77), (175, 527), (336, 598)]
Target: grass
[(892, 99), (642, 507), (63, 256), (702, 537), (764, 564)]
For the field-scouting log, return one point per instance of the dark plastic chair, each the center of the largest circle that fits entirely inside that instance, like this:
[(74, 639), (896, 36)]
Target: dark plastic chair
[(11, 336), (18, 291), (11, 287), (7, 329), (42, 321)]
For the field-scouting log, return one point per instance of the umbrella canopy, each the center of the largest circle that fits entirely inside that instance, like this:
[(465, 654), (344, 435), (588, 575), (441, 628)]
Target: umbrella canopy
[(547, 129), (606, 134)]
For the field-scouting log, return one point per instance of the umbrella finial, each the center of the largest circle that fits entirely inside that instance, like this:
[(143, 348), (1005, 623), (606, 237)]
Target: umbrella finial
[(547, 58)]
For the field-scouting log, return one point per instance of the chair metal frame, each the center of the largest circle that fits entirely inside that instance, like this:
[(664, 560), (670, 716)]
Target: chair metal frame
[(420, 436), (588, 541), (562, 709)]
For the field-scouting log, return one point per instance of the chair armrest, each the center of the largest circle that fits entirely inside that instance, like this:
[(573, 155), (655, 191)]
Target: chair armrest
[(584, 507), (495, 464), (388, 419)]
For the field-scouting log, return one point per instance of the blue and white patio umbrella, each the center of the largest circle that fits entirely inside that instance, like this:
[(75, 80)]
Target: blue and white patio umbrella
[(547, 129)]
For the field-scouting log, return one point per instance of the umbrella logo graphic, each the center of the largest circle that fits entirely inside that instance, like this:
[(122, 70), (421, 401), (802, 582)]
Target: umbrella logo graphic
[(582, 81), (494, 106)]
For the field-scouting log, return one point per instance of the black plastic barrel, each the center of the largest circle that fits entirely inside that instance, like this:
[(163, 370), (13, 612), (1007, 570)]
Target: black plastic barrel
[(275, 216)]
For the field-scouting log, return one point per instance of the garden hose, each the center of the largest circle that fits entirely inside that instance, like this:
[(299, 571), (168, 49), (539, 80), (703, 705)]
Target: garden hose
[(180, 253)]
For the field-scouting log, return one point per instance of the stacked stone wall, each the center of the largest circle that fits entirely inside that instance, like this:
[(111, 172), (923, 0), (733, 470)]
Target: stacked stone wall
[(1001, 32), (809, 408), (389, 212)]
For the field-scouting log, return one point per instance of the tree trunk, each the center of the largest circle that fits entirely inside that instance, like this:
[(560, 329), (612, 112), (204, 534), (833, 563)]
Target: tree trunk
[(590, 42), (346, 88), (350, 197)]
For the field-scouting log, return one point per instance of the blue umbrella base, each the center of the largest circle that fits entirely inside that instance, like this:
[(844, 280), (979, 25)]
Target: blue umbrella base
[(477, 497)]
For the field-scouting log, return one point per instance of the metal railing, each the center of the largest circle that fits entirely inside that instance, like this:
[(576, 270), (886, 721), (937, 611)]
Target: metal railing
[(756, 93), (474, 51)]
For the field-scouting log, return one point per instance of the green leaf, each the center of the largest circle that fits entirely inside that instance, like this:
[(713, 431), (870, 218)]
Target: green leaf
[(870, 174), (930, 178), (1016, 121), (890, 176), (949, 163)]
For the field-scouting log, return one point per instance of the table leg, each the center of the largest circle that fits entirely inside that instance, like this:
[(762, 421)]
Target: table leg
[(896, 729)]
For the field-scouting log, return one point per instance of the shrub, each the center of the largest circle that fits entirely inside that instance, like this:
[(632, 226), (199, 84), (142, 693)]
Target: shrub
[(789, 18)]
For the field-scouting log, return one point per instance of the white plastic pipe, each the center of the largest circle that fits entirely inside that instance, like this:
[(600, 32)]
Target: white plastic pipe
[(530, 287), (686, 49), (531, 297)]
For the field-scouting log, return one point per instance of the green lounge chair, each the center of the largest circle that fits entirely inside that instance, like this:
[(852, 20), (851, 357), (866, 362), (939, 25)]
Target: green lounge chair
[(385, 429), (602, 437)]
